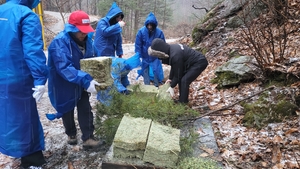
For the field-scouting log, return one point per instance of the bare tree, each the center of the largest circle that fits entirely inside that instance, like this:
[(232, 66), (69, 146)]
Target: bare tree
[(268, 34)]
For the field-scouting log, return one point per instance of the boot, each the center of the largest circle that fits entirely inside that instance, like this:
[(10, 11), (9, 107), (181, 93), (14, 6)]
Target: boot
[(92, 143), (72, 140)]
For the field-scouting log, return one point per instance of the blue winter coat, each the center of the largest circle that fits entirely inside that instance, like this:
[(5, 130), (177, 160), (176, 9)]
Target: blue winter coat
[(22, 66), (120, 68), (66, 80), (108, 39), (143, 41)]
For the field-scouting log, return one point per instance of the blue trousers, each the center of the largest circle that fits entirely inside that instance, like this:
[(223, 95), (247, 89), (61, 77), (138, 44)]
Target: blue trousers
[(147, 78)]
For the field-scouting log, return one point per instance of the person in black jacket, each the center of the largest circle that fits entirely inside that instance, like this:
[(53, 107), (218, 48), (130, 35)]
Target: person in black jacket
[(186, 65)]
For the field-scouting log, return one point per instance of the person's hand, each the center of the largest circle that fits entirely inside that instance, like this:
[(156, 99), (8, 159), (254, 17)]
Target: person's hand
[(120, 56), (168, 81), (39, 90), (92, 87), (171, 91), (121, 23)]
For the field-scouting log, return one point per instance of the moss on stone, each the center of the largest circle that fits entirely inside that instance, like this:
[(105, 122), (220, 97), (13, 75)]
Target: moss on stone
[(265, 110)]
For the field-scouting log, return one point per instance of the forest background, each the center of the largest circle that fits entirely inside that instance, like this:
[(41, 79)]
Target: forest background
[(176, 18)]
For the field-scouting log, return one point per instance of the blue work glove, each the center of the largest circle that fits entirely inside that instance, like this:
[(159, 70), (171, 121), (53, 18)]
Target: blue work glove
[(39, 90)]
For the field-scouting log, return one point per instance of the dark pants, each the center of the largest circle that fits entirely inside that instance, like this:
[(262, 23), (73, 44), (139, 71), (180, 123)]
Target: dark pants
[(192, 73), (34, 159), (85, 118), (147, 78)]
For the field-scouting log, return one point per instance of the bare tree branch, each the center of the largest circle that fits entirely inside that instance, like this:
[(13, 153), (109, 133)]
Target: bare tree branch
[(226, 107), (200, 8)]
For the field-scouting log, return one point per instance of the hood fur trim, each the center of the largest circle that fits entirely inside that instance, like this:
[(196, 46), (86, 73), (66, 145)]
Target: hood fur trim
[(156, 53)]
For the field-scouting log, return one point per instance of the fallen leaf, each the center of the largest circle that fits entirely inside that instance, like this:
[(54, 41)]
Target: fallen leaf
[(208, 150), (70, 165), (292, 165), (292, 69), (278, 166), (200, 131), (203, 155), (276, 155), (277, 139), (292, 130), (264, 164)]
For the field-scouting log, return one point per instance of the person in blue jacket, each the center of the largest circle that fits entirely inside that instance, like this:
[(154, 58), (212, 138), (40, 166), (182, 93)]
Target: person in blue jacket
[(23, 74), (120, 68), (151, 67), (108, 38), (68, 86)]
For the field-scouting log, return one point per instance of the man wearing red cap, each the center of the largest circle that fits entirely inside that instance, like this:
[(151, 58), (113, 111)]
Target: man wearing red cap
[(68, 86)]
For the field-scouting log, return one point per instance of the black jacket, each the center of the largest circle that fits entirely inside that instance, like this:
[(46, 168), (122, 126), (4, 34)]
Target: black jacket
[(181, 58)]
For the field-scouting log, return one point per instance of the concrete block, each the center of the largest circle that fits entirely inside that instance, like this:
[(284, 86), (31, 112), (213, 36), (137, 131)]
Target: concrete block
[(163, 146)]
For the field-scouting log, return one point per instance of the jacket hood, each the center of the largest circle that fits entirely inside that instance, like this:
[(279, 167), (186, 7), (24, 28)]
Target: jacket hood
[(151, 19), (29, 3), (160, 45), (113, 11), (72, 28)]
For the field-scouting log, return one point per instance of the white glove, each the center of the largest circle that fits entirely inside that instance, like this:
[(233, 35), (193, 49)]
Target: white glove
[(171, 91), (39, 90), (92, 87), (121, 23)]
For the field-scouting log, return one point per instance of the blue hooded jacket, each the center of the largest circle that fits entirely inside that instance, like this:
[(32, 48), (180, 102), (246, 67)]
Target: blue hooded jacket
[(108, 39), (22, 66), (120, 68), (66, 80), (143, 41)]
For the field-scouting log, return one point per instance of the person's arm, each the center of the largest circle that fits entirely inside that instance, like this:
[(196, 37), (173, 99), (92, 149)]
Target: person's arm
[(138, 42), (33, 48), (118, 70), (162, 36), (119, 49), (61, 57), (177, 68), (106, 30)]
